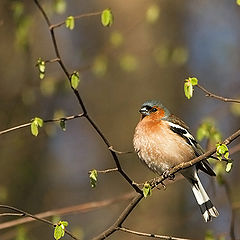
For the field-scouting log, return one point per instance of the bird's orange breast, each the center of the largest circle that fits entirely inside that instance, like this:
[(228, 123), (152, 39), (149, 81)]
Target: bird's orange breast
[(158, 146)]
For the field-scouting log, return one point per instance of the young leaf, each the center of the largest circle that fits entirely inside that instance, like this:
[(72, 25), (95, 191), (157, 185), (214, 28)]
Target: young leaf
[(70, 23), (63, 125), (222, 151), (59, 230), (229, 166), (64, 223), (36, 122), (107, 18), (188, 90), (75, 79), (188, 86), (93, 178), (193, 80), (34, 129), (41, 68), (39, 121), (147, 191)]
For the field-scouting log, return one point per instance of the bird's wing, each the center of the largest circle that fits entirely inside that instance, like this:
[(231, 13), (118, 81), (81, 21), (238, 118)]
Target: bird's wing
[(180, 128)]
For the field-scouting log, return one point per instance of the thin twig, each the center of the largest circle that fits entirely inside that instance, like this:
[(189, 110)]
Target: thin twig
[(107, 170), (75, 17), (150, 234), (118, 152), (52, 60), (36, 218), (172, 171), (121, 218), (80, 101), (209, 94), (12, 214), (45, 121), (80, 208)]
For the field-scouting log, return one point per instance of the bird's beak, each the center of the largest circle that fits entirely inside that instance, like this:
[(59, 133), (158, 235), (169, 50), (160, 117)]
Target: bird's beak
[(144, 111)]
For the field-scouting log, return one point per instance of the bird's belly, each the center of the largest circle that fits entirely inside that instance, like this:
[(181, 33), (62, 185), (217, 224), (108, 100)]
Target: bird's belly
[(162, 153)]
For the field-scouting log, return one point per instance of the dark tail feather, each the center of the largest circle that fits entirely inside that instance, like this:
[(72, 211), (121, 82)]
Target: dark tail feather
[(207, 209)]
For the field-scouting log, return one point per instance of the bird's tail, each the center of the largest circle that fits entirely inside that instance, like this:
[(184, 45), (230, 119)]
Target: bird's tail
[(207, 209)]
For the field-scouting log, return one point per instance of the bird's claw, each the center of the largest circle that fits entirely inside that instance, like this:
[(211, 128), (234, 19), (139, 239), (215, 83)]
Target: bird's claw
[(167, 174)]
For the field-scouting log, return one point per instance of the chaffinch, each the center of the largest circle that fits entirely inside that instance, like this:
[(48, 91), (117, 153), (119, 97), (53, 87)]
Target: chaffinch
[(163, 141)]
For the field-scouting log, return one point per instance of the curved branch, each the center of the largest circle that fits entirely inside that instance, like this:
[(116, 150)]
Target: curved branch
[(45, 121), (209, 94), (121, 218), (154, 184), (36, 218), (80, 101), (85, 207), (76, 17)]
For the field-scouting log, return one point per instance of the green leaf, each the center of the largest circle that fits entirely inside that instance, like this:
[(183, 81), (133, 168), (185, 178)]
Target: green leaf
[(238, 2), (107, 17), (39, 121), (41, 68), (93, 178), (193, 80), (36, 122), (147, 190), (75, 79), (188, 86), (229, 165), (64, 223), (59, 230), (188, 90), (34, 129), (70, 22), (222, 151), (63, 125)]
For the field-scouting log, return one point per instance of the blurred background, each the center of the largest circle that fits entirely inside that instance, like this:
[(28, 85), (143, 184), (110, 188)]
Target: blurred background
[(146, 54)]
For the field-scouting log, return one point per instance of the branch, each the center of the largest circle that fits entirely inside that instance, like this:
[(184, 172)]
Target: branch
[(36, 218), (172, 171), (150, 234), (85, 207), (45, 121), (121, 218), (118, 152), (209, 94), (80, 101), (75, 17), (106, 170)]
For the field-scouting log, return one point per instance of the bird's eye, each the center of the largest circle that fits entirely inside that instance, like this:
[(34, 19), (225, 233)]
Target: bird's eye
[(154, 109)]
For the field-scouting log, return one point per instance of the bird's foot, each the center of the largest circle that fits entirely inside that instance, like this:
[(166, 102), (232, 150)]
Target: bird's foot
[(167, 174)]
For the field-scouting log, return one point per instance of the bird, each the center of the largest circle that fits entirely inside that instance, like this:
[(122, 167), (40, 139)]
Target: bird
[(163, 141)]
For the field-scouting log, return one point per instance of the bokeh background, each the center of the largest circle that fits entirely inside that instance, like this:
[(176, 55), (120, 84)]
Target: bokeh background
[(146, 54)]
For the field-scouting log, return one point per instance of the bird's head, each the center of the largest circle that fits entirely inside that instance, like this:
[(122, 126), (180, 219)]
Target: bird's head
[(154, 109)]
